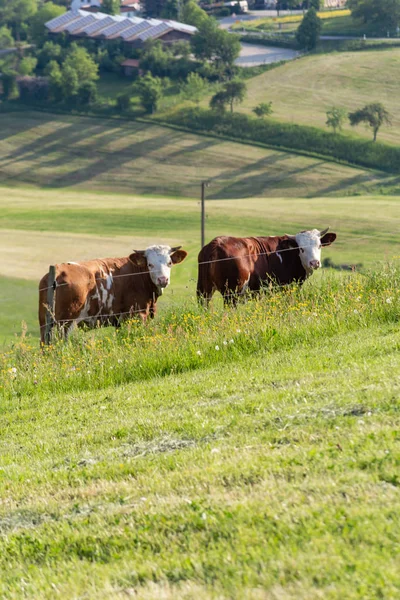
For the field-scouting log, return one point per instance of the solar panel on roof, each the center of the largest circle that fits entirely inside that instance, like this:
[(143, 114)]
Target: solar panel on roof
[(79, 24), (62, 20), (98, 25), (116, 28), (133, 31), (154, 31)]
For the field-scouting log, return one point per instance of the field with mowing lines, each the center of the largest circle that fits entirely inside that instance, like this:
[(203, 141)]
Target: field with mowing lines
[(302, 91), (42, 227), (139, 158)]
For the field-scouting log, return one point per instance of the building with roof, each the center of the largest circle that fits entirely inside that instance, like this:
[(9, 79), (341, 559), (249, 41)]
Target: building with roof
[(133, 31)]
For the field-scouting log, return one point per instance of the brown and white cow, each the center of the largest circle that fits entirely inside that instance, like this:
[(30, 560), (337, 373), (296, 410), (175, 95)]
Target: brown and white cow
[(232, 265), (106, 291)]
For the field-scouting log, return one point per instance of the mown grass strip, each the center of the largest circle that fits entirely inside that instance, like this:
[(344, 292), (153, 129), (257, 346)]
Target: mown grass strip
[(284, 136)]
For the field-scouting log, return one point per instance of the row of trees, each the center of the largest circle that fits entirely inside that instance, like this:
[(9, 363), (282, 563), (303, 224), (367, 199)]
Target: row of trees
[(372, 115), (384, 14)]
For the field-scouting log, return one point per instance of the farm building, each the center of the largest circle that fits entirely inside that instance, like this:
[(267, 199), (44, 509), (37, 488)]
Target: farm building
[(133, 31)]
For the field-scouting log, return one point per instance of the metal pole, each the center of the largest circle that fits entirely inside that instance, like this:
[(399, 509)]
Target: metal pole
[(203, 214), (51, 304)]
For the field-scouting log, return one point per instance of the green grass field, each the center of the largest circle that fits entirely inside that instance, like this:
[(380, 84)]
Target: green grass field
[(252, 454), (43, 227), (302, 91), (139, 158), (248, 454)]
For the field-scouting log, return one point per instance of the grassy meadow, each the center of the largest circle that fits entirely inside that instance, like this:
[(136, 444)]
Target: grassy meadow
[(61, 151), (42, 227), (302, 91), (248, 454)]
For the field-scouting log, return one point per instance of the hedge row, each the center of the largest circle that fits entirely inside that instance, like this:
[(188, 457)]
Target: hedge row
[(290, 137)]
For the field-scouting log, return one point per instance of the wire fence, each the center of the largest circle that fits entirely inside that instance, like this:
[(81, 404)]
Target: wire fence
[(107, 317)]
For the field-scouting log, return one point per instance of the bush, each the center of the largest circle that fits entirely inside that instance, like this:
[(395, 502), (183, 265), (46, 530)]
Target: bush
[(293, 137), (9, 81), (87, 93), (33, 89), (124, 102)]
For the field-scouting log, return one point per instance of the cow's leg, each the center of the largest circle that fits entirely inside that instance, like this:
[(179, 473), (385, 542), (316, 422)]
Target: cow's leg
[(204, 298)]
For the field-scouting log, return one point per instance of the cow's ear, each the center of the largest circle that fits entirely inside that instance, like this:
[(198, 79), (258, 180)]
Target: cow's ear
[(328, 239), (288, 243), (178, 256), (138, 259)]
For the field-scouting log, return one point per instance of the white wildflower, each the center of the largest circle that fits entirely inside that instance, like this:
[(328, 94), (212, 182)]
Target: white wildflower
[(198, 352), (231, 341), (225, 343), (217, 347), (388, 300), (355, 311)]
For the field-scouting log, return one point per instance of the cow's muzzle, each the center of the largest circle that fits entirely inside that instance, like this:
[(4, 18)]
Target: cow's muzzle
[(315, 264), (162, 281)]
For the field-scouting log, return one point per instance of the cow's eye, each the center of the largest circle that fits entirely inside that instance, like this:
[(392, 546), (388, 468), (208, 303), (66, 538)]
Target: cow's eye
[(169, 264), (150, 266), (302, 250)]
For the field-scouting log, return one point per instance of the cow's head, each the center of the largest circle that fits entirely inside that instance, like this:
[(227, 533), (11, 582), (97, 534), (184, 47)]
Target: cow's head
[(158, 260), (310, 244)]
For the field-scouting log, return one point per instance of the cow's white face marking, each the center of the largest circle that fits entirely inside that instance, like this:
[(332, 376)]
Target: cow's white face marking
[(159, 264), (309, 243)]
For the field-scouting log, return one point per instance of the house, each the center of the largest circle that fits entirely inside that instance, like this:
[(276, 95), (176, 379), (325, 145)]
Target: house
[(131, 67), (132, 31)]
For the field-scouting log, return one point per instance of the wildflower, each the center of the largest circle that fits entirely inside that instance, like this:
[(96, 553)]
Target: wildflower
[(198, 352), (225, 343), (119, 361), (13, 370), (355, 311), (388, 301), (231, 341), (237, 330), (217, 347)]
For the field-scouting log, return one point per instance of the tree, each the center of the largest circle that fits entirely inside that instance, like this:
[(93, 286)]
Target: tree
[(217, 46), (16, 12), (383, 13), (27, 65), (373, 115), (150, 92), (111, 7), (192, 14), (82, 63), (263, 110), (309, 30), (315, 4), (232, 93), (335, 118), (235, 92), (219, 101), (153, 8), (46, 12), (6, 38), (194, 87)]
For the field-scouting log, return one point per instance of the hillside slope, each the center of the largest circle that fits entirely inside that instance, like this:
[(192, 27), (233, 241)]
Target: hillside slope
[(302, 91), (251, 455), (141, 158)]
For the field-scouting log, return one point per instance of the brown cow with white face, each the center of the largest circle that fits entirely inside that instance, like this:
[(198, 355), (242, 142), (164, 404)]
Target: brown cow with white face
[(232, 265), (106, 291)]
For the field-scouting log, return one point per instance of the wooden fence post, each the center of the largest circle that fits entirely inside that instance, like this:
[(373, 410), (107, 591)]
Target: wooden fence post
[(51, 304)]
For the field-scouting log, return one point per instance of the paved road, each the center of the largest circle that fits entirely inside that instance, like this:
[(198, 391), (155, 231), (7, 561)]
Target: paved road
[(252, 55)]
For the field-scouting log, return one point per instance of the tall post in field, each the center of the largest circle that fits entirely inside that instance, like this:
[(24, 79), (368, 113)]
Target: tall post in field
[(51, 304), (204, 184)]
